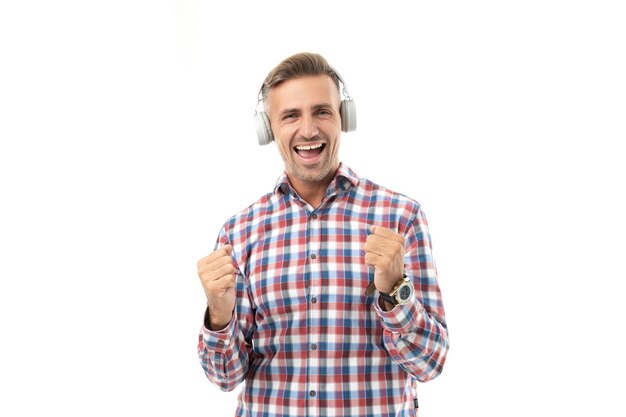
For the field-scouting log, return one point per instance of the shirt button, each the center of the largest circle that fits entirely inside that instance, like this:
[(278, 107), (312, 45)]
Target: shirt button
[(312, 393), (314, 300), (313, 256), (313, 346), (314, 216), (220, 343)]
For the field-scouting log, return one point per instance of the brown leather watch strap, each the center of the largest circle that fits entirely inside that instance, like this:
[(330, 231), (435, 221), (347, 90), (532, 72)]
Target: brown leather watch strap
[(370, 289)]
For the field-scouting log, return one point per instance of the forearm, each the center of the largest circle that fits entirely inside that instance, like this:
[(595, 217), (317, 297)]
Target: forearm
[(415, 334), (223, 355), (415, 340)]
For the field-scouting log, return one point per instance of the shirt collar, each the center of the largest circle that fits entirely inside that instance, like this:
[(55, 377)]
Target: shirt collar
[(344, 179)]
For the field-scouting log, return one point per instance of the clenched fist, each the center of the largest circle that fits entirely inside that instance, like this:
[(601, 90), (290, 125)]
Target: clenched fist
[(217, 275), (384, 250)]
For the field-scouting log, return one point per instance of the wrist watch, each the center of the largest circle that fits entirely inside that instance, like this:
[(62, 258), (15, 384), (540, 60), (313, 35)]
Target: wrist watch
[(401, 293)]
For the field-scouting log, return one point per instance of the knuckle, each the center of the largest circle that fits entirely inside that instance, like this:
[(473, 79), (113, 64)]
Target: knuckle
[(204, 260), (227, 285)]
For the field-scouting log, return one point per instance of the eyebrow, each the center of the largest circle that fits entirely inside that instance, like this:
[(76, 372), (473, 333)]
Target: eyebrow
[(316, 107), (287, 111), (322, 106)]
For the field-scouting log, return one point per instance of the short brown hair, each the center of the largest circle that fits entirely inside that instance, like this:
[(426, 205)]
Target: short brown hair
[(299, 65)]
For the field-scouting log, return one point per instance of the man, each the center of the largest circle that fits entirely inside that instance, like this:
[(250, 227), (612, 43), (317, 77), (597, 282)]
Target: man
[(287, 310)]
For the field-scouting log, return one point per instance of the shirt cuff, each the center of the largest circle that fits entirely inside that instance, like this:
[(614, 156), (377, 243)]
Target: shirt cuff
[(402, 318), (218, 340)]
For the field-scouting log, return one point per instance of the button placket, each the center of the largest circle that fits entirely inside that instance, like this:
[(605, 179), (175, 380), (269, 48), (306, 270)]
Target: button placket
[(314, 312)]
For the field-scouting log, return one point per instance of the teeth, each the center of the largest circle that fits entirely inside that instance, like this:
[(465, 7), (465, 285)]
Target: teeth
[(308, 147)]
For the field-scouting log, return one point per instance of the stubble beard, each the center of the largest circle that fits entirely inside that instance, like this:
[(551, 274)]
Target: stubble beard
[(313, 174)]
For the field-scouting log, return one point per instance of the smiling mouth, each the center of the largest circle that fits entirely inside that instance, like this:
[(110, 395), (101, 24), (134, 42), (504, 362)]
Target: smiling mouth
[(309, 151)]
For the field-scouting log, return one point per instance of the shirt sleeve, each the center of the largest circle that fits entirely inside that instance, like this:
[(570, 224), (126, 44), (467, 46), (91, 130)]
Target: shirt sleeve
[(225, 354), (415, 334)]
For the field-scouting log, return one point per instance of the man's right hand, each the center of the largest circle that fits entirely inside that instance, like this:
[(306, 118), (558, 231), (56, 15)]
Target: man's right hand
[(217, 275)]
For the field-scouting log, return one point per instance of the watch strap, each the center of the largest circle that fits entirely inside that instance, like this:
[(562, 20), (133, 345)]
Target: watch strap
[(388, 298)]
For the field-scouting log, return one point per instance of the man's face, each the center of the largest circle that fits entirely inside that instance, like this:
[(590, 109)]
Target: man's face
[(305, 119)]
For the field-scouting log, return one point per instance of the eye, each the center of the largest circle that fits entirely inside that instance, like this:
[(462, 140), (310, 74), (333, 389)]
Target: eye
[(324, 112), (288, 116)]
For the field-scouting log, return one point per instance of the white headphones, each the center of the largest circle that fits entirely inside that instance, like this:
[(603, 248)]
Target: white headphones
[(347, 112)]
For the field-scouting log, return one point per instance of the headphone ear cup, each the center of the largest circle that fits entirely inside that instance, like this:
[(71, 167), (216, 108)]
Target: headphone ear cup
[(348, 115), (263, 129)]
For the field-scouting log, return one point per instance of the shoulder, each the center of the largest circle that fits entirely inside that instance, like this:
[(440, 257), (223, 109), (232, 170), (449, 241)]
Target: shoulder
[(384, 207), (380, 195), (254, 212)]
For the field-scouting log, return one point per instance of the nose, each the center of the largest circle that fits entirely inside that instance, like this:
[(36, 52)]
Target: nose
[(308, 127)]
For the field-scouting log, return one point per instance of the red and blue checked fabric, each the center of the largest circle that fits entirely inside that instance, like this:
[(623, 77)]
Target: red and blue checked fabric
[(305, 338)]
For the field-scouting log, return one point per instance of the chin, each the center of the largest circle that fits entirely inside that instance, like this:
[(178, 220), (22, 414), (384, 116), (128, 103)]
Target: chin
[(313, 175)]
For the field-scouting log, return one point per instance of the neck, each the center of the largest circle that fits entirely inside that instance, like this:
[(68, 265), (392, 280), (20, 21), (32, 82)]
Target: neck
[(312, 191)]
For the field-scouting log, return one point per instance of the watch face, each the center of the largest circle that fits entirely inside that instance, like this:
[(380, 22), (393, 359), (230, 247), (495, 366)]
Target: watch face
[(405, 292)]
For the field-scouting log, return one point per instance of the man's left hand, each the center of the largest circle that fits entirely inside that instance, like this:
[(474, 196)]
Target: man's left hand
[(384, 250)]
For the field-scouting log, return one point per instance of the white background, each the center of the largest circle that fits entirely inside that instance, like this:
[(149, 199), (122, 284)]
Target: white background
[(127, 139)]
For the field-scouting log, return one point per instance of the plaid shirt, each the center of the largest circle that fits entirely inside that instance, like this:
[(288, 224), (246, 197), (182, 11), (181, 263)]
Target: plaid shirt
[(304, 337)]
